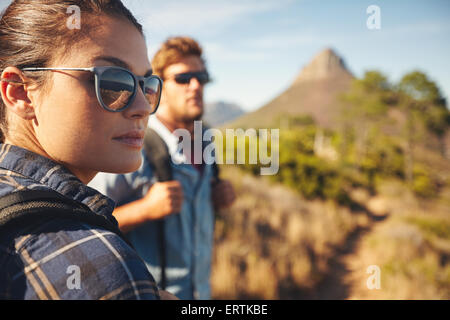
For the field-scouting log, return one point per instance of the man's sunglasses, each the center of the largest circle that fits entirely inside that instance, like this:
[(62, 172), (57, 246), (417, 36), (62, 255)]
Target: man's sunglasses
[(185, 78), (116, 87)]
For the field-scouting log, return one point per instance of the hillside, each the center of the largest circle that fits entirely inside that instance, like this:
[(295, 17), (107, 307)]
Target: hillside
[(315, 92)]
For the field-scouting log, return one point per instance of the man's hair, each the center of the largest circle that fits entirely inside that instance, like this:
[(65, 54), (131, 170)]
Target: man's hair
[(172, 51)]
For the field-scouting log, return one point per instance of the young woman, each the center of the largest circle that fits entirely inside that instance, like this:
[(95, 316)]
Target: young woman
[(75, 101)]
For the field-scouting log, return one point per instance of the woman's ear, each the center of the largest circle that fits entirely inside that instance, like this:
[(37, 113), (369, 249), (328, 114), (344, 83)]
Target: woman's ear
[(14, 93)]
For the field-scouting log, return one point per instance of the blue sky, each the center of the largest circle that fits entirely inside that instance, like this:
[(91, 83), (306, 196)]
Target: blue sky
[(255, 48)]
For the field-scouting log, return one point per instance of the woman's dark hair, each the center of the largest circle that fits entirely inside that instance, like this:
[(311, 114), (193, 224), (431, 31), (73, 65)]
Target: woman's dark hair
[(34, 32)]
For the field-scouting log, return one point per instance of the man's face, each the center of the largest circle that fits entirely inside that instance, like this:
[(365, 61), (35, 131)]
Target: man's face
[(184, 102)]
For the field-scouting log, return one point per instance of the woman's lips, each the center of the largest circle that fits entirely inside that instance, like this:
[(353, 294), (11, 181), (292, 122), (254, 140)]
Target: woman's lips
[(138, 143), (133, 139)]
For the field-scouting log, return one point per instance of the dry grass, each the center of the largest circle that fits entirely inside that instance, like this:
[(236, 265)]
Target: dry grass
[(272, 244), (412, 249)]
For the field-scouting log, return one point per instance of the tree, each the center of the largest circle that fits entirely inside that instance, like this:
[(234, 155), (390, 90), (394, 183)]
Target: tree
[(425, 110), (365, 107)]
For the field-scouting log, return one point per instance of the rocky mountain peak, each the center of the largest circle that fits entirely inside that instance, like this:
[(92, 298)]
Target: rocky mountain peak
[(324, 65)]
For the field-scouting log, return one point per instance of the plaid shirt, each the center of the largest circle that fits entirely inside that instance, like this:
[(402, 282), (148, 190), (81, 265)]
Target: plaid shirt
[(62, 258)]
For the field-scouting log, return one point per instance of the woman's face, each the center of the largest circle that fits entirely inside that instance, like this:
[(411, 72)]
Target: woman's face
[(71, 126)]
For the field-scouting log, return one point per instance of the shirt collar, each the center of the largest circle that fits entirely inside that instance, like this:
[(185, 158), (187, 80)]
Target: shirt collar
[(173, 142), (169, 138), (53, 175)]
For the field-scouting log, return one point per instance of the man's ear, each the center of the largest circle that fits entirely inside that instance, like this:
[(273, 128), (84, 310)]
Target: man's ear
[(14, 93)]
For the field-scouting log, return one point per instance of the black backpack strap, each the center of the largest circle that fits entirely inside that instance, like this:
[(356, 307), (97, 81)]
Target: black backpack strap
[(158, 156), (215, 168), (216, 173), (27, 206)]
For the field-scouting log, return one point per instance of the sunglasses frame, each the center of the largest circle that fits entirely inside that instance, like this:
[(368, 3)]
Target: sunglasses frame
[(193, 75), (98, 71)]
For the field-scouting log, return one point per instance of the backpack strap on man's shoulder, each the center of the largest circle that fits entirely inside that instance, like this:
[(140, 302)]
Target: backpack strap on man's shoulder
[(28, 206), (215, 167), (157, 154)]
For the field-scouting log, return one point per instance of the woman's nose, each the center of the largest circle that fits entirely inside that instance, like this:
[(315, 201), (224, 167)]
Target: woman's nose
[(140, 107)]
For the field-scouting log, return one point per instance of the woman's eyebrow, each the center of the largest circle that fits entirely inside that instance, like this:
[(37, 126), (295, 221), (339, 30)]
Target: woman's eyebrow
[(120, 63)]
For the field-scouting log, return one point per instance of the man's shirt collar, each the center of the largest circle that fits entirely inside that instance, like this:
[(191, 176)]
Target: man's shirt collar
[(169, 138)]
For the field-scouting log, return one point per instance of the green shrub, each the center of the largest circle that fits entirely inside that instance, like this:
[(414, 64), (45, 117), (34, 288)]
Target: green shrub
[(437, 227), (423, 184)]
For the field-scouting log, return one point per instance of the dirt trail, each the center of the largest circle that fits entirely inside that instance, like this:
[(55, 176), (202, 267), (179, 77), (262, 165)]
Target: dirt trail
[(346, 274)]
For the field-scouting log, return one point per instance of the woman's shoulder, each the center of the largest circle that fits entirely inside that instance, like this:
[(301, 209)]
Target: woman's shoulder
[(56, 249)]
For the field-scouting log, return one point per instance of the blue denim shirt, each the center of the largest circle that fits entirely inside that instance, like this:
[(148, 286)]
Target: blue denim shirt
[(188, 235), (41, 260)]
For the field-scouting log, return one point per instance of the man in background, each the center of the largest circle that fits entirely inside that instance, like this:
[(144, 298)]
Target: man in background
[(177, 251)]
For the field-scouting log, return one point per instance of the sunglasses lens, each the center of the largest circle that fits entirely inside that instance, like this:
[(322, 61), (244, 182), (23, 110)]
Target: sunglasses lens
[(183, 78), (202, 77), (152, 92), (116, 88)]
